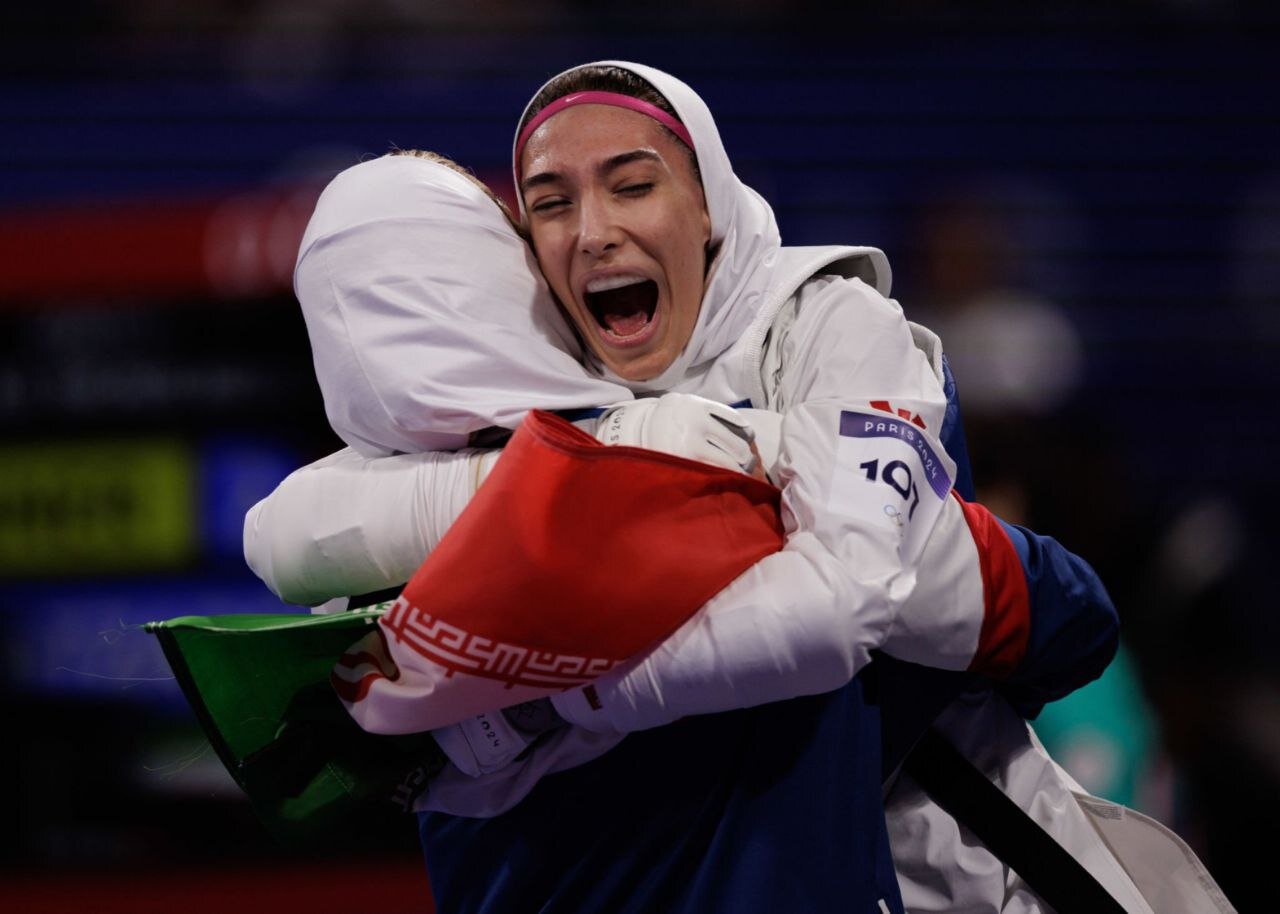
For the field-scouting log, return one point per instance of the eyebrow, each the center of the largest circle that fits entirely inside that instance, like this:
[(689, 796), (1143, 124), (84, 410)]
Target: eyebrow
[(608, 165), (625, 158)]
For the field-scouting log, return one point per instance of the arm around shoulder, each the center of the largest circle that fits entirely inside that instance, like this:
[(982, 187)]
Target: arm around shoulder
[(348, 524), (804, 620)]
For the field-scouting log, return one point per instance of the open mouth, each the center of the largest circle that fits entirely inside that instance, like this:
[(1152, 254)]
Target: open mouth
[(623, 306)]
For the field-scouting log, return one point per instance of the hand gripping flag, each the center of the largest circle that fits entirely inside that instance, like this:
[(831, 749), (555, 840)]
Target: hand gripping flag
[(259, 687), (571, 558)]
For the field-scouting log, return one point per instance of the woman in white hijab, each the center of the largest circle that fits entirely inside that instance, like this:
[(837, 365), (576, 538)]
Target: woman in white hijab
[(790, 331), (817, 373), (783, 328)]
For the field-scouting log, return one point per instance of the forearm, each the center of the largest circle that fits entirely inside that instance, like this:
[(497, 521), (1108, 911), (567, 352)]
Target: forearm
[(959, 591), (753, 643), (985, 597), (1074, 628), (348, 524), (1003, 601), (798, 622)]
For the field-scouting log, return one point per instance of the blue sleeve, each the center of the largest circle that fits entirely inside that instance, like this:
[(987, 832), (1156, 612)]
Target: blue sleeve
[(952, 435), (1074, 626), (1075, 630)]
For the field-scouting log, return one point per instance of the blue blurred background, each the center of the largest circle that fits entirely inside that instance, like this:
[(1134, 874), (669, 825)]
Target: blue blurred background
[(1083, 200)]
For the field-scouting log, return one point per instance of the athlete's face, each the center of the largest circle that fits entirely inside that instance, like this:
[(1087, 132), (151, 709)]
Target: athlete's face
[(620, 228)]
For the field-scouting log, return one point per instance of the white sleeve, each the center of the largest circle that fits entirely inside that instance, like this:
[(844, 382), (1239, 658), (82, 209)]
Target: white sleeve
[(858, 509), (938, 625), (348, 524)]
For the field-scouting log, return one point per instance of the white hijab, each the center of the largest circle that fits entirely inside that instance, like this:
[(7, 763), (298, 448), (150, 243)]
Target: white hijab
[(750, 264), (428, 317), (742, 226)]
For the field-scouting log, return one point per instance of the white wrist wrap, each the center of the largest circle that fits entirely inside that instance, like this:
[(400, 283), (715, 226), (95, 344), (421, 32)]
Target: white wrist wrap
[(481, 744)]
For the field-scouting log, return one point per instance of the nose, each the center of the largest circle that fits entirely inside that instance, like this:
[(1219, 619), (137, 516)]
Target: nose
[(598, 229)]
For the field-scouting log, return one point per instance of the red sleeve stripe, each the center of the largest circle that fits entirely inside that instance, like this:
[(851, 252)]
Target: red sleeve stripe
[(1006, 617)]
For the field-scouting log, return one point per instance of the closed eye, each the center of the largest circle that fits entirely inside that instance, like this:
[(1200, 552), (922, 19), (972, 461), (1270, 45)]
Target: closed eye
[(548, 204), (636, 190)]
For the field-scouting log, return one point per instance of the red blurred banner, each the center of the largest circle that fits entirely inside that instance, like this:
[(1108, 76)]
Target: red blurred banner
[(242, 245), (234, 246)]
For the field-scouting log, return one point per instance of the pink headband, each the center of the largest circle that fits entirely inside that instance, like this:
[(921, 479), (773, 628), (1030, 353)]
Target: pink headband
[(615, 99)]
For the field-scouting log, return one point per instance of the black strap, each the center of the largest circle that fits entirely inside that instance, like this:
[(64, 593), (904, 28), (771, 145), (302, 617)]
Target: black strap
[(910, 697), (385, 595), (1008, 832)]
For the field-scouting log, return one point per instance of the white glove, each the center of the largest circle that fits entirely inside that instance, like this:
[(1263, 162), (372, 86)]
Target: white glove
[(684, 425)]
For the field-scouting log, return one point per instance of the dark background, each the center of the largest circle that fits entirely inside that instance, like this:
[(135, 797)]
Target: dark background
[(1084, 200)]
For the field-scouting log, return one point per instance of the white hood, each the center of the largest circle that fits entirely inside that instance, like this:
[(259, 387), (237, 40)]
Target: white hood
[(427, 314), (742, 224), (751, 266)]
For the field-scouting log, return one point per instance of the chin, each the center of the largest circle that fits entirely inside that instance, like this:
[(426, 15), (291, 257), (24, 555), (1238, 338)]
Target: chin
[(641, 368)]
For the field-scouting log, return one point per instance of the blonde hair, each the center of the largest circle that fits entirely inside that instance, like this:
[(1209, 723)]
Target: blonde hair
[(466, 173)]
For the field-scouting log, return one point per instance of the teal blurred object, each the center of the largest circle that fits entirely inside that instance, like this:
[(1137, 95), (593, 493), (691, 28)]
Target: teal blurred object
[(1104, 734)]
